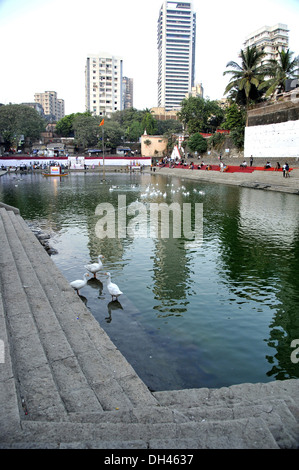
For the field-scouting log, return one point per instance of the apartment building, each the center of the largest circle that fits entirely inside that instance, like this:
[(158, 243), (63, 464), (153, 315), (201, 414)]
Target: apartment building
[(53, 107), (127, 93), (270, 39), (103, 84), (176, 52)]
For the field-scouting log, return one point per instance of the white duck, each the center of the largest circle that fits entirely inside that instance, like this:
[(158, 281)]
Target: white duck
[(113, 289), (80, 283), (95, 267)]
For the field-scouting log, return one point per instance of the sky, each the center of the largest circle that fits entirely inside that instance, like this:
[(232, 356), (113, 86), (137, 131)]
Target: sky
[(44, 43)]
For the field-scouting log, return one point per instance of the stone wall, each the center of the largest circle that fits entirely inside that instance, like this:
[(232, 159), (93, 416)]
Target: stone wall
[(273, 129), (272, 140), (279, 111)]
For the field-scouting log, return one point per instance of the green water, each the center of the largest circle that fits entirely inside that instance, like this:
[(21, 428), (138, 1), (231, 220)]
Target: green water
[(192, 314)]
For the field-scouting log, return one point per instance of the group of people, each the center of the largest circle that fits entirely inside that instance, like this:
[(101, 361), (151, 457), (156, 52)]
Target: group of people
[(285, 168)]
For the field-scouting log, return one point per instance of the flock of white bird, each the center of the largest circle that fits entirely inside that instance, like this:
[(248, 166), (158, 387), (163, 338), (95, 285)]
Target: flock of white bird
[(152, 190), (94, 268)]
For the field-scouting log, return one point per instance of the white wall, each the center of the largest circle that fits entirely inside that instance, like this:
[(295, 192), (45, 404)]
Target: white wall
[(89, 161), (272, 140)]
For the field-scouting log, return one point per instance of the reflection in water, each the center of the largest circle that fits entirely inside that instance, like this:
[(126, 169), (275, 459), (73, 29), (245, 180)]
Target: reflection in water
[(113, 305), (212, 314), (170, 277), (95, 283), (259, 255), (83, 298)]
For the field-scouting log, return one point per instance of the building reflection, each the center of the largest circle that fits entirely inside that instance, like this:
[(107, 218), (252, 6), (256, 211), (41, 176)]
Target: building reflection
[(259, 255)]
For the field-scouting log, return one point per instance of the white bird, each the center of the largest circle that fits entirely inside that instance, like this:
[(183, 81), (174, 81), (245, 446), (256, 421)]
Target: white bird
[(80, 283), (113, 289), (95, 267)]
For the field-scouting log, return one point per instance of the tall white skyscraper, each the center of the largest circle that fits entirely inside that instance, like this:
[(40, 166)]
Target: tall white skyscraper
[(176, 52), (103, 84)]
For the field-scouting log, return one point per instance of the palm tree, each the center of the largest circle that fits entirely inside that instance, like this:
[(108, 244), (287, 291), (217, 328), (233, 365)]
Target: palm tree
[(246, 77), (279, 71)]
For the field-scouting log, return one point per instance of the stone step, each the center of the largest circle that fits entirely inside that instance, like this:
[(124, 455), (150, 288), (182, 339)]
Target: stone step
[(249, 433), (66, 302), (32, 374), (85, 378), (275, 413), (61, 362), (9, 410), (276, 404), (226, 395)]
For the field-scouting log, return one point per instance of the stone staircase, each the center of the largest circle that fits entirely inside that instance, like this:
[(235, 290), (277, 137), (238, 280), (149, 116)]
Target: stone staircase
[(64, 384)]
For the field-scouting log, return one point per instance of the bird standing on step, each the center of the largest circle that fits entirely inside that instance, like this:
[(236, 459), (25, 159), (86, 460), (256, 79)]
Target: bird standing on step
[(94, 268), (113, 289), (79, 283)]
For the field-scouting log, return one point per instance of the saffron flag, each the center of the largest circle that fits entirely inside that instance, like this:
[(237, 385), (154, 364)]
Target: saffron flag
[(101, 123)]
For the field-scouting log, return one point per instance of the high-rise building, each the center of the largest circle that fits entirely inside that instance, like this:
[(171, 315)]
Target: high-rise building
[(127, 93), (103, 84), (53, 107), (176, 52), (270, 39), (196, 91)]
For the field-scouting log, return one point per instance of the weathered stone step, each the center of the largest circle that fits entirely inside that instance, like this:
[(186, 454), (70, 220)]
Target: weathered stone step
[(61, 362), (278, 407), (227, 395), (9, 409), (274, 412), (251, 433), (115, 384), (33, 376), (89, 333)]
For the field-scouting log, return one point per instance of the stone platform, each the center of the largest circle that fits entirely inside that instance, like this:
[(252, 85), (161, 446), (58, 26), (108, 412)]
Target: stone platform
[(263, 180), (64, 384)]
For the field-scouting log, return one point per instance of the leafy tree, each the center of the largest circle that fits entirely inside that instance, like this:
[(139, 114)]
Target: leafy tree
[(238, 135), (149, 124), (279, 71), (133, 131), (200, 115), (247, 77), (197, 143), (64, 126), (86, 129), (169, 125), (113, 134), (127, 116), (130, 120), (216, 140), (234, 117), (18, 120)]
